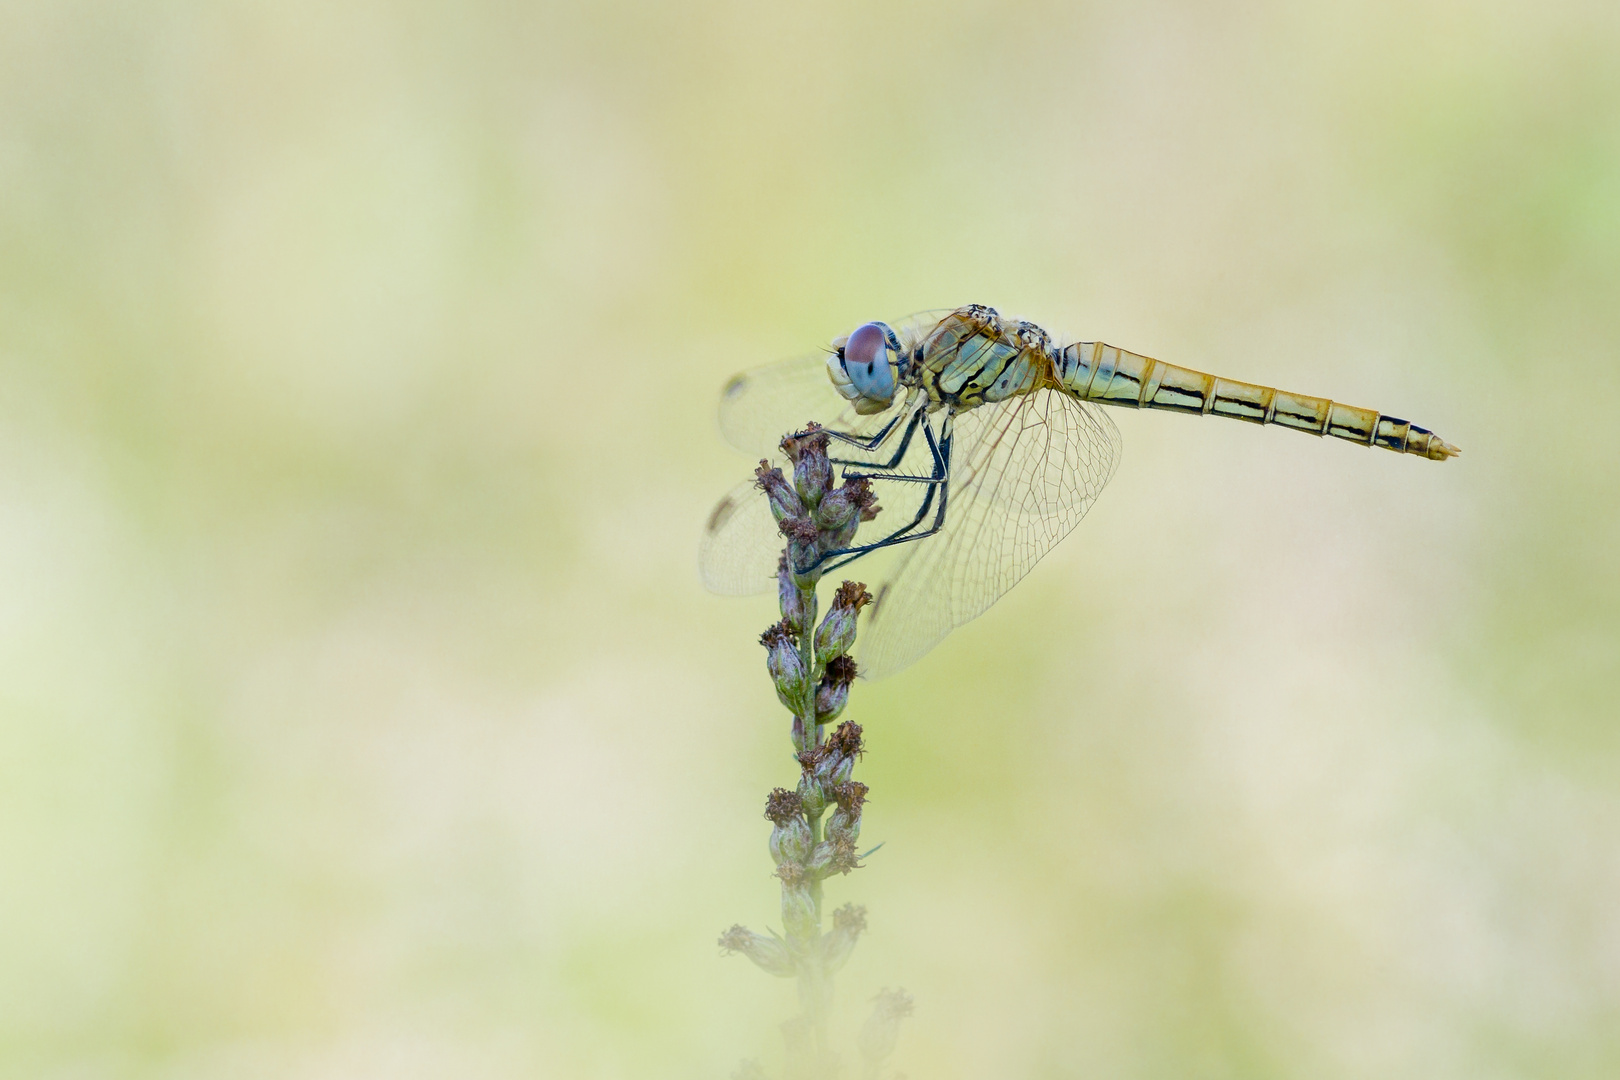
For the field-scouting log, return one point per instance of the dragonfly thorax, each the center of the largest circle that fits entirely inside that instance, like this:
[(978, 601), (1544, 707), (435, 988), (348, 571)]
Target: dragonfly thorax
[(973, 356)]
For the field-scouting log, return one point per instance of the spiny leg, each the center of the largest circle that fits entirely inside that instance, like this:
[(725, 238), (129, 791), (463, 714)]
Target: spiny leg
[(851, 554), (900, 452), (941, 452)]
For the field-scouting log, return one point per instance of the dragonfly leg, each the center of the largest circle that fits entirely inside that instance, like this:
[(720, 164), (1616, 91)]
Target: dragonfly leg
[(877, 440), (941, 452), (900, 536), (910, 414)]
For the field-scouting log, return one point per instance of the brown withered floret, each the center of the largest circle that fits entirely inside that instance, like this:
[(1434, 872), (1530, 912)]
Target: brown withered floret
[(782, 805), (812, 438), (791, 873), (736, 939), (840, 669), (864, 497), (800, 529), (852, 594), (893, 1004), (844, 858), (778, 633), (850, 917), (785, 502), (850, 796), (846, 739)]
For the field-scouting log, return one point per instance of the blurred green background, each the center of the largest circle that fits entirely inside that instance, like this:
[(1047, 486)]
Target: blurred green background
[(361, 714)]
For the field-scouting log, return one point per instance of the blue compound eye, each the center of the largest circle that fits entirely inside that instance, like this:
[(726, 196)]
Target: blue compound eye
[(866, 358)]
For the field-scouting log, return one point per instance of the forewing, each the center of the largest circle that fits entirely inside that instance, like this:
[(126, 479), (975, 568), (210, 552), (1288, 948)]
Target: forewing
[(738, 552), (1023, 474), (759, 406)]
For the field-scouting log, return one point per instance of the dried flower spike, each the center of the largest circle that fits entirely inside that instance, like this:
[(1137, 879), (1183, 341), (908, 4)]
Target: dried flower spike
[(811, 670)]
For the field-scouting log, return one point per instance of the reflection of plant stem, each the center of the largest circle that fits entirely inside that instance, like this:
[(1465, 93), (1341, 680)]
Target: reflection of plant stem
[(811, 669)]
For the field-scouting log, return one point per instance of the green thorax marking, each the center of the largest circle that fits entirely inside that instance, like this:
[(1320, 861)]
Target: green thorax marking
[(973, 357)]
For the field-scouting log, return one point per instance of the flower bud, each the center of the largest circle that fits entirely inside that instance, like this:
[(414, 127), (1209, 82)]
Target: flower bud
[(769, 953), (782, 660), (821, 858), (836, 635), (785, 502), (790, 839), (851, 501), (802, 550), (789, 596), (844, 858), (798, 908), (790, 842), (845, 822), (833, 691), (843, 825), (838, 754), (849, 923), (881, 1031), (812, 472), (811, 795)]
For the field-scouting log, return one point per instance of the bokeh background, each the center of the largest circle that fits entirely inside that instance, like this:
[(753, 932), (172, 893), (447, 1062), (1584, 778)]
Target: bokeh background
[(361, 714)]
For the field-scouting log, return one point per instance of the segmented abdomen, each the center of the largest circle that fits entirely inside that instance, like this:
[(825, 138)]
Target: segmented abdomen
[(1093, 371)]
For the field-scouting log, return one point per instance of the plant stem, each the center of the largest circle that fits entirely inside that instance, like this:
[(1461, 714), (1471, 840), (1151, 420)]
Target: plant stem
[(813, 983)]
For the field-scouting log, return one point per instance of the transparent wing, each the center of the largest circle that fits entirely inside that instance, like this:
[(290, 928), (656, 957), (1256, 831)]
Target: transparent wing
[(760, 405), (1023, 474), (737, 555)]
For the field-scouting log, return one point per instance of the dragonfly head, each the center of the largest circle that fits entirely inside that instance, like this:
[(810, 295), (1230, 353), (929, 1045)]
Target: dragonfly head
[(865, 366)]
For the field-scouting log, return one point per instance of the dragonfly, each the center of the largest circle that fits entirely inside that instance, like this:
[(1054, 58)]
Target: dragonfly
[(991, 442)]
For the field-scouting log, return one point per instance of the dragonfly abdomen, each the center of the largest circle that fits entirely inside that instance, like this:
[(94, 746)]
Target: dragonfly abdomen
[(1093, 371)]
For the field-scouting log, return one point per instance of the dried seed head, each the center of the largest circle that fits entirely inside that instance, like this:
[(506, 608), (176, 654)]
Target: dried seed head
[(768, 953), (851, 918), (785, 502), (782, 805), (843, 855), (846, 740), (840, 669), (850, 796), (800, 530)]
